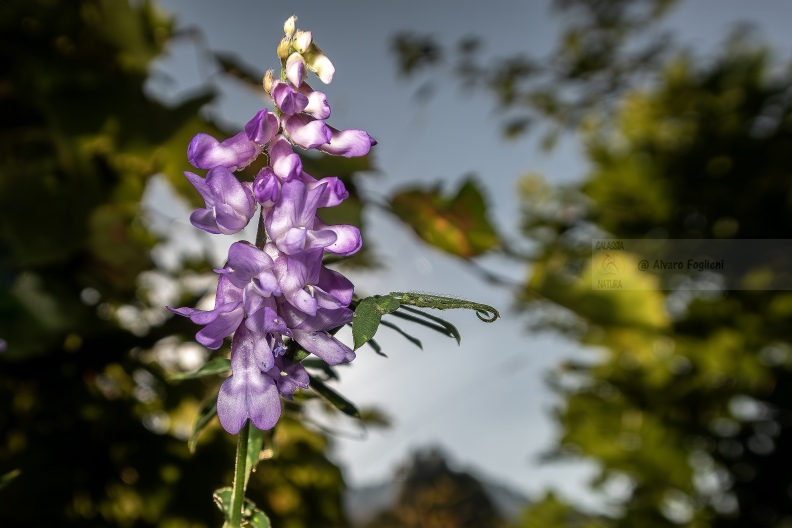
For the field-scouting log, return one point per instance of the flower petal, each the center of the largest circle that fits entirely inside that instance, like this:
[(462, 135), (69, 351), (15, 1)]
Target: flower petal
[(236, 152), (295, 69), (323, 345), (263, 127), (306, 131), (348, 143)]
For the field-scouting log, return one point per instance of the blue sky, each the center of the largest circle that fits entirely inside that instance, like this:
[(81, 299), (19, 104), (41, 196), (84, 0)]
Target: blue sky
[(485, 402)]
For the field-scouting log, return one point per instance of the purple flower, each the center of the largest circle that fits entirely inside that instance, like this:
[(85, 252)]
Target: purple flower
[(248, 392), (295, 69), (221, 321), (306, 288), (348, 143), (229, 203), (311, 332), (291, 221), (236, 152), (263, 127), (293, 225), (307, 131), (289, 376), (287, 98)]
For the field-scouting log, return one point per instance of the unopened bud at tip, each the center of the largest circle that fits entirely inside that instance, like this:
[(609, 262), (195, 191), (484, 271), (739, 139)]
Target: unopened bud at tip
[(302, 40), (284, 47), (288, 26), (268, 79)]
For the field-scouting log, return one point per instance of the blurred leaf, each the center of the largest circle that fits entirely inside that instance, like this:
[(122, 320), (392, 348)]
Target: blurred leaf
[(233, 66), (415, 52), (206, 412), (377, 348), (458, 225), (8, 477), (315, 363), (218, 365), (333, 398)]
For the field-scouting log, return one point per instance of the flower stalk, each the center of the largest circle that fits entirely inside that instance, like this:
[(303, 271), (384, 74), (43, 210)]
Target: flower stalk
[(240, 478)]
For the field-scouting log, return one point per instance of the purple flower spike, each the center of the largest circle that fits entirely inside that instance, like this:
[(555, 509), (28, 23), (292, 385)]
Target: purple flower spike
[(288, 100), (229, 203), (262, 128), (248, 392), (220, 322), (235, 153), (348, 143), (306, 131)]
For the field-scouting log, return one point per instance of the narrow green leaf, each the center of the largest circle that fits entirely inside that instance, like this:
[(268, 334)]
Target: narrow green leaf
[(206, 412), (377, 348), (484, 312), (423, 322), (333, 398), (413, 340), (314, 363), (8, 477), (255, 441), (218, 365), (452, 330)]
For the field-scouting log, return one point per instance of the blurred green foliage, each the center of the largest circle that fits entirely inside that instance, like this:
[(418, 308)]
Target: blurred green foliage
[(684, 404)]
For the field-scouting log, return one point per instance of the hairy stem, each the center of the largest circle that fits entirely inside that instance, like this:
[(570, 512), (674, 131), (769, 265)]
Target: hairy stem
[(238, 493)]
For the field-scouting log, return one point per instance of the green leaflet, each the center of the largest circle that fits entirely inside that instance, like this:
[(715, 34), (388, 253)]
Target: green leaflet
[(369, 312), (333, 398), (206, 412), (251, 515)]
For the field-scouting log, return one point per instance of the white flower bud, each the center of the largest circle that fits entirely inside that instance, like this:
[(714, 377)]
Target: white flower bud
[(288, 26), (302, 40)]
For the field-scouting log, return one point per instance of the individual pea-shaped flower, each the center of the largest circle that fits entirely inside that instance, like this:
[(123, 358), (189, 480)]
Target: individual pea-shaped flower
[(293, 225), (306, 287), (229, 203), (248, 393), (236, 152), (222, 320), (311, 332), (251, 270), (288, 376)]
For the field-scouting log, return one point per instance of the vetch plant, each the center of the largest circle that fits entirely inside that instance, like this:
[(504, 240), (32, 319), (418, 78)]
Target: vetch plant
[(275, 298)]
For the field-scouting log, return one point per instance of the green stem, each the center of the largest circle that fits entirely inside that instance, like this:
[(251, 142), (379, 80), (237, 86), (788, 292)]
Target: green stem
[(238, 493)]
